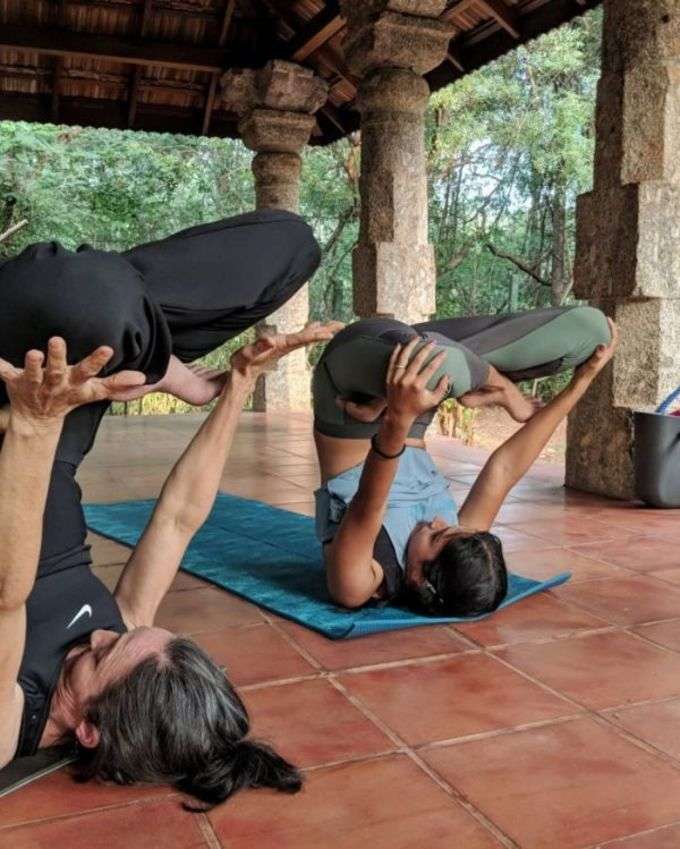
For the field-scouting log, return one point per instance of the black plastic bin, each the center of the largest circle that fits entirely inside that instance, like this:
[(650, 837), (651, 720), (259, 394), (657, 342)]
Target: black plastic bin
[(657, 459)]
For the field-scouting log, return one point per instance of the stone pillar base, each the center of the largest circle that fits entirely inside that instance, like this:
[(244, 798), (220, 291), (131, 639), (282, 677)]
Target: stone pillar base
[(288, 385), (600, 444), (285, 389), (644, 370)]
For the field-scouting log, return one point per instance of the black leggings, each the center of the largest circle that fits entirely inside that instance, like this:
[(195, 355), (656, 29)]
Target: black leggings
[(185, 295), (523, 345)]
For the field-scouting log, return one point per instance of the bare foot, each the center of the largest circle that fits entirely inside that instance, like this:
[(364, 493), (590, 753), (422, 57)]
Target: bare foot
[(501, 392), (198, 385), (520, 407), (194, 384)]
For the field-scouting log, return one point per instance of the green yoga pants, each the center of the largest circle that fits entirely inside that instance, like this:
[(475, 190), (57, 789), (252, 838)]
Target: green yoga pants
[(525, 345)]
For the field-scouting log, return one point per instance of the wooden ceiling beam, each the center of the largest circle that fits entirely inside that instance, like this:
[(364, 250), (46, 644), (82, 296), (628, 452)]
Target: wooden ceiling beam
[(316, 32), (185, 57), (210, 96), (87, 112), (457, 8), (59, 20), (504, 16), (453, 56), (226, 22), (167, 7), (137, 71), (209, 104)]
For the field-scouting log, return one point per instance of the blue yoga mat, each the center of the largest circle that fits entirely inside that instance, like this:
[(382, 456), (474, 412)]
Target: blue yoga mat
[(272, 558)]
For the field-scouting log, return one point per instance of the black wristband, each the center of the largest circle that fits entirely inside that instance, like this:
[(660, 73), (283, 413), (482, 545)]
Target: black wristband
[(374, 446)]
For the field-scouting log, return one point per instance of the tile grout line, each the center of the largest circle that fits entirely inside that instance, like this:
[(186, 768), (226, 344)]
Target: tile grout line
[(499, 732), (600, 718), (584, 710), (169, 794), (578, 634), (648, 640), (465, 803), (581, 606), (449, 789), (212, 841), (626, 837), (357, 759), (407, 662), (299, 648)]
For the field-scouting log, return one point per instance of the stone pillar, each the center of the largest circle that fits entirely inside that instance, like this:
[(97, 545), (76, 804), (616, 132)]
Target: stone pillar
[(276, 104), (390, 44), (628, 238)]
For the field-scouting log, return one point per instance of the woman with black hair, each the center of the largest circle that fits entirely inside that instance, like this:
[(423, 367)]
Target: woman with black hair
[(77, 663), (389, 527)]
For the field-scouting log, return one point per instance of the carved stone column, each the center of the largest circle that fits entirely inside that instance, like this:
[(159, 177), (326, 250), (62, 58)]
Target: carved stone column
[(628, 238), (390, 44), (277, 104)]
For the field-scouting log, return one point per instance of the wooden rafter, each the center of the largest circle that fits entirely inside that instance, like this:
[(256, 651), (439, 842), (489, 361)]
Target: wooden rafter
[(209, 104), (453, 56), (58, 70), (316, 32), (168, 7), (186, 57), (226, 22), (498, 10), (457, 8), (503, 15), (57, 76), (214, 79), (325, 55), (137, 71)]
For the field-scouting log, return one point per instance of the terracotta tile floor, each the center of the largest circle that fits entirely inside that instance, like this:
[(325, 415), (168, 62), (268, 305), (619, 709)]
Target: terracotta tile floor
[(552, 725)]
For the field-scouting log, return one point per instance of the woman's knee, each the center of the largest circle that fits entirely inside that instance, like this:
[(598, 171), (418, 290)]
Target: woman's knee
[(90, 298), (591, 325), (583, 328), (305, 249)]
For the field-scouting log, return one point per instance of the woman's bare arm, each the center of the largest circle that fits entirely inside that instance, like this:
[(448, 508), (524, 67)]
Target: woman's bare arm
[(184, 504), (40, 399), (190, 490), (25, 464), (508, 464), (352, 574)]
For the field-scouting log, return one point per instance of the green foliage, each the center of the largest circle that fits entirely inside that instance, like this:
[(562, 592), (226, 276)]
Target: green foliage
[(509, 149), (113, 189)]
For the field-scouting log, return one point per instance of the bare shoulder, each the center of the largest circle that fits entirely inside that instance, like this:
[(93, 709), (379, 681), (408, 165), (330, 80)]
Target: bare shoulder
[(11, 708)]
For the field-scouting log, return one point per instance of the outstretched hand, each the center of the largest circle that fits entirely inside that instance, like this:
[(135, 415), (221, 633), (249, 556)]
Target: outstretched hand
[(407, 377), (47, 388), (251, 360)]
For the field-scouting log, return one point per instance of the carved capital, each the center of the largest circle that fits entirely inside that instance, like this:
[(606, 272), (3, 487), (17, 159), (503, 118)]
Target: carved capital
[(284, 86)]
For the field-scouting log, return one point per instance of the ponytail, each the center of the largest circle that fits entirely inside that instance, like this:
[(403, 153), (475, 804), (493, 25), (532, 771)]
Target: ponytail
[(248, 764)]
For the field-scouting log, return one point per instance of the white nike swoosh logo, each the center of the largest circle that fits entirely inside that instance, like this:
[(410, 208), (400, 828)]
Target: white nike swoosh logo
[(85, 609)]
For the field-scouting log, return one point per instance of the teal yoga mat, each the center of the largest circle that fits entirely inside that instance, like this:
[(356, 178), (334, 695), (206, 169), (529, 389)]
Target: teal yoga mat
[(272, 558)]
